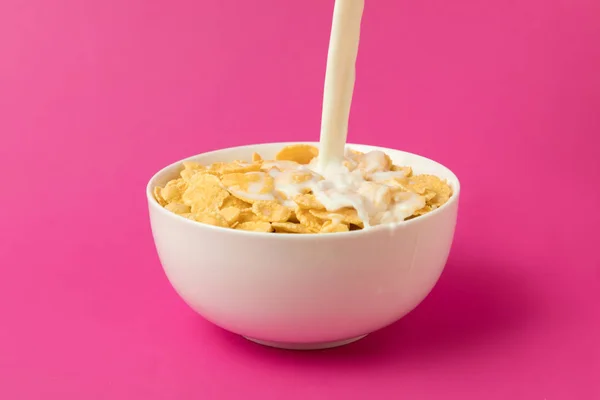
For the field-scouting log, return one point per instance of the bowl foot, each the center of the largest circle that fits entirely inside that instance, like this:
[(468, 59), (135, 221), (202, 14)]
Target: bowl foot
[(305, 346)]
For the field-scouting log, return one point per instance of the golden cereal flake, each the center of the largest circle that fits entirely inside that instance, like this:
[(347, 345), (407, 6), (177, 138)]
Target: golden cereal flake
[(157, 196), (346, 215), (388, 163), (204, 193), (308, 202), (289, 227), (210, 218), (402, 196), (332, 227), (435, 190), (233, 201), (407, 170), (419, 184), (234, 167), (255, 226), (422, 211), (398, 184), (173, 190), (293, 217), (256, 157), (250, 187), (307, 219), (247, 215), (231, 214), (271, 211), (242, 181), (300, 153), (188, 174), (178, 208)]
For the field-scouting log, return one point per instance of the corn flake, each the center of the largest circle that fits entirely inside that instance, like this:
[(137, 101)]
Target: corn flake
[(311, 222), (407, 170), (388, 163), (247, 215), (157, 190), (300, 153), (204, 193), (173, 190), (255, 226), (271, 211), (293, 217), (234, 167), (289, 227), (210, 218), (436, 191), (249, 187), (423, 211), (346, 215), (178, 208), (231, 214), (332, 227), (308, 202), (233, 201)]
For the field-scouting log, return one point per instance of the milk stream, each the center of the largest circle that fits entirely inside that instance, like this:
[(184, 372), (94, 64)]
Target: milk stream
[(339, 81)]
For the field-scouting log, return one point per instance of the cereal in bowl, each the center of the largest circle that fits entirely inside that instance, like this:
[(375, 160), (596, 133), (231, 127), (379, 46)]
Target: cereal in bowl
[(290, 195)]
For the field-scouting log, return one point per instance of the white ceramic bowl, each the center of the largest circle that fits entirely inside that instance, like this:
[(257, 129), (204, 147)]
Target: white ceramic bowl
[(303, 291)]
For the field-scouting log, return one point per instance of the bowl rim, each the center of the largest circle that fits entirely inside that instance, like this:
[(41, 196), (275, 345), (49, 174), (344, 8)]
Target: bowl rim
[(153, 204)]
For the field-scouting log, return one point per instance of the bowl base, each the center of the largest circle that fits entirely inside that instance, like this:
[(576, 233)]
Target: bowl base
[(305, 346)]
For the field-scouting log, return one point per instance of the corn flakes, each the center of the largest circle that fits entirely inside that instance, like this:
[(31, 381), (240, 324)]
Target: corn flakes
[(437, 191), (346, 215), (290, 227), (256, 196), (204, 192), (332, 227), (157, 190), (231, 214), (300, 153), (407, 170), (233, 201), (234, 167), (247, 215), (173, 190), (249, 187), (178, 208), (311, 222), (271, 211), (308, 202), (255, 226), (210, 218)]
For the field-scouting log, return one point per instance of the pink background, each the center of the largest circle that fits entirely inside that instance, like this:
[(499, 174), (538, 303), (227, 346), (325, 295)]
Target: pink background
[(95, 96)]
